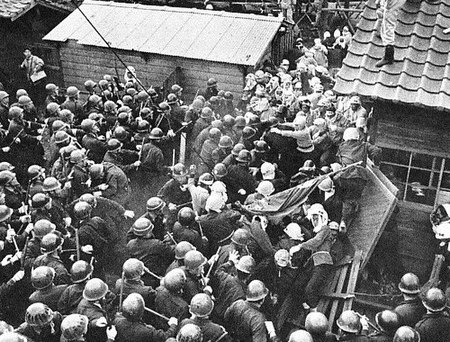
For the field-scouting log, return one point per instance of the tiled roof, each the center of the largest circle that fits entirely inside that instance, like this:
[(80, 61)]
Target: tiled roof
[(421, 73), (191, 33), (13, 9)]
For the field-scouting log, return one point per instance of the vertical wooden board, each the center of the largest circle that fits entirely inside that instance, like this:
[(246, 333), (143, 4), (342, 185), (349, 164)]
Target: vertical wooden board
[(353, 277), (335, 303)]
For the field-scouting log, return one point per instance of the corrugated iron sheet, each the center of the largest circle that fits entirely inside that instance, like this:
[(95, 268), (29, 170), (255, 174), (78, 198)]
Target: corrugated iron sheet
[(421, 73), (191, 33)]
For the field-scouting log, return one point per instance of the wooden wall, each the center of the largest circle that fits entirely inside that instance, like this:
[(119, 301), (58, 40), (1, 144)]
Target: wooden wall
[(80, 63), (423, 131)]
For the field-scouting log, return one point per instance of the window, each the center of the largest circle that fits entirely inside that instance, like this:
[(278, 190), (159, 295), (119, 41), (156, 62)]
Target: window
[(420, 178)]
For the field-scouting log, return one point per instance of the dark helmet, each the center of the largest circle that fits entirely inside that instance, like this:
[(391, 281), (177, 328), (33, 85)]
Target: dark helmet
[(52, 108), (225, 142), (214, 134), (103, 84), (176, 88), (217, 124), (87, 125), (240, 121), (74, 327), (96, 171), (94, 99), (61, 137), (89, 198), (179, 170), (89, 85), (219, 170), (164, 106), (80, 271), (201, 305), (186, 216), (43, 227), (82, 210), (193, 260), (244, 156), (15, 113), (58, 125), (123, 117), (21, 92), (38, 315), (143, 126), (72, 91), (434, 300), (114, 144), (42, 277), (145, 112), (228, 121), (156, 134), (5, 213), (142, 96), (246, 264), (240, 237), (349, 322), (206, 179), (211, 82), (182, 248), (6, 177), (409, 284), (109, 106), (24, 100), (406, 334), (248, 132), (3, 95), (316, 323), (120, 133), (6, 166), (174, 280), (256, 291), (237, 148), (51, 242), (172, 99), (190, 333), (142, 226), (155, 203), (133, 307), (39, 200), (50, 88), (95, 289), (77, 156), (133, 268), (388, 321), (35, 171), (228, 95), (214, 101), (206, 113), (261, 146)]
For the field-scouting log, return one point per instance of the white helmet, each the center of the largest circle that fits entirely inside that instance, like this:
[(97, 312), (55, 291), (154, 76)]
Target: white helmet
[(282, 258), (326, 185), (294, 231), (268, 170), (351, 133), (215, 202), (265, 188)]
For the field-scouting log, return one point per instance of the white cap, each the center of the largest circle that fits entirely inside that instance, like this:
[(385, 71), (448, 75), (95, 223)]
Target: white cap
[(268, 170)]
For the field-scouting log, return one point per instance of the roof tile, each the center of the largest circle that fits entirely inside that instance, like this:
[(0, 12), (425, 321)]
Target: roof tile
[(421, 72)]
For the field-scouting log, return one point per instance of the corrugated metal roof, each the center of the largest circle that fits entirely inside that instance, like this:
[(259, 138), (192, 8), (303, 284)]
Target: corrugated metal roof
[(191, 33), (420, 74)]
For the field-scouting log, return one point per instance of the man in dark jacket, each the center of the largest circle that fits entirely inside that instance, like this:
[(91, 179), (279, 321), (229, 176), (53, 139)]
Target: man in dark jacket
[(411, 308), (111, 181)]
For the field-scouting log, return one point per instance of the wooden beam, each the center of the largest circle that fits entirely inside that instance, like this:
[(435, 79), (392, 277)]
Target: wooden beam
[(370, 304), (350, 10)]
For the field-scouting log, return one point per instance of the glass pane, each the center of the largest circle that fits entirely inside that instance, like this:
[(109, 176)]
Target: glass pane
[(418, 189), (435, 179), (397, 176), (445, 180), (423, 161), (444, 196), (395, 156)]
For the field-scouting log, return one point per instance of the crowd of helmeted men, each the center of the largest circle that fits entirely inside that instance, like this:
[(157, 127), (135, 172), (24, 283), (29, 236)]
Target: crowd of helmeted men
[(199, 264)]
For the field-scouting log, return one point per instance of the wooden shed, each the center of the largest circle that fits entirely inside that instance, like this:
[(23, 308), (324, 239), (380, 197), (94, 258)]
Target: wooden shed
[(411, 102), (24, 23), (157, 41)]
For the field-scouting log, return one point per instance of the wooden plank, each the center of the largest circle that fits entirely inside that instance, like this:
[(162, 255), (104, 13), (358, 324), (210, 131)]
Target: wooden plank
[(339, 287), (367, 303), (323, 303), (353, 277)]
